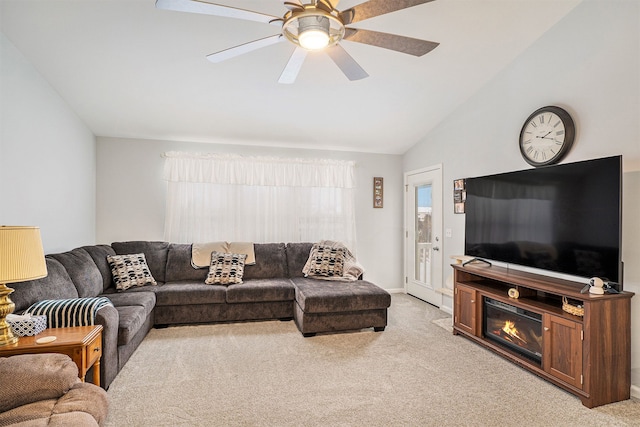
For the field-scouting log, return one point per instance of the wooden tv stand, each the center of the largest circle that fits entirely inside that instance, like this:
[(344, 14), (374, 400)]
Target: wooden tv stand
[(588, 356)]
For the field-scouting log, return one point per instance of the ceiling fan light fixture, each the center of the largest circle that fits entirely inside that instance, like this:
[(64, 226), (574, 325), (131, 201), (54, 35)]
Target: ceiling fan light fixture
[(313, 32), (313, 26), (314, 39)]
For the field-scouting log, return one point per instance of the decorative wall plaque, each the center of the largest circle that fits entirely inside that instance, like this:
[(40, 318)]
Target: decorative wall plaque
[(459, 195), (378, 192)]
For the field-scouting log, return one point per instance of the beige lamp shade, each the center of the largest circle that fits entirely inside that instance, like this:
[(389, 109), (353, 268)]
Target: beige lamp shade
[(21, 254)]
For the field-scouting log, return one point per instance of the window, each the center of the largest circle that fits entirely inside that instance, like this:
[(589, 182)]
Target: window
[(214, 197)]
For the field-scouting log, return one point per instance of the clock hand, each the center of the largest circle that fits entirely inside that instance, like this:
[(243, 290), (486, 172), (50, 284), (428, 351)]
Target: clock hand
[(546, 135)]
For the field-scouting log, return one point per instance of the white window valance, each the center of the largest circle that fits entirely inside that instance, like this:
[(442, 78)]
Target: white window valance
[(264, 171)]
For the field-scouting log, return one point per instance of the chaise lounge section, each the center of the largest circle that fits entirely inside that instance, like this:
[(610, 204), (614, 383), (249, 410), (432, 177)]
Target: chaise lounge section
[(273, 288), (328, 306)]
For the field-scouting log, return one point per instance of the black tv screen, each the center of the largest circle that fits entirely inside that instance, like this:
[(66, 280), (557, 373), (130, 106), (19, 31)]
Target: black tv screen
[(563, 218)]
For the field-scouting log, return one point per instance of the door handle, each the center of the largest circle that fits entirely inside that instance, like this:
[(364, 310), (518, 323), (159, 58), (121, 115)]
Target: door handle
[(435, 248)]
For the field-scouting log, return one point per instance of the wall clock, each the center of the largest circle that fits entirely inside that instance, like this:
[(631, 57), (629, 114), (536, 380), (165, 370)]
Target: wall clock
[(546, 136)]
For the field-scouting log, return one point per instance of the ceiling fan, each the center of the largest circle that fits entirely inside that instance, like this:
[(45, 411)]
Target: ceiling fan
[(314, 26)]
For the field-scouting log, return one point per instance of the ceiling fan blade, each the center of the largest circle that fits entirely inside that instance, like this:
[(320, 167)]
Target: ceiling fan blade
[(374, 8), (324, 5), (333, 3), (244, 48), (346, 63), (292, 68), (411, 46), (198, 6), (293, 5)]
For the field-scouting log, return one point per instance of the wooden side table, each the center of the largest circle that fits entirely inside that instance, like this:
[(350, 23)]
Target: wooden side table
[(83, 344)]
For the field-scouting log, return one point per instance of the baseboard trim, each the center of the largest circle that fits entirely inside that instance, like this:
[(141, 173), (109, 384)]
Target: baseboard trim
[(396, 291), (446, 309), (635, 391)]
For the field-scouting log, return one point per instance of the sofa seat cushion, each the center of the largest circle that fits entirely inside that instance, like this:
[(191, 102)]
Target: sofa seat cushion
[(132, 318), (144, 289), (147, 300), (261, 290), (134, 308), (189, 292), (320, 296)]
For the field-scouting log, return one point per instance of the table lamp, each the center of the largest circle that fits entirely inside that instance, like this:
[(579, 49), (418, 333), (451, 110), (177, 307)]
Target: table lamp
[(21, 259)]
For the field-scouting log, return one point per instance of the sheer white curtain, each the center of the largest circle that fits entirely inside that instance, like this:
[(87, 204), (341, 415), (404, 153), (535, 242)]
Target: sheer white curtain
[(221, 197)]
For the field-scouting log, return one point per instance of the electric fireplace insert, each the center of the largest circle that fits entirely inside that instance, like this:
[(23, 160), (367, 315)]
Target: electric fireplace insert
[(514, 328)]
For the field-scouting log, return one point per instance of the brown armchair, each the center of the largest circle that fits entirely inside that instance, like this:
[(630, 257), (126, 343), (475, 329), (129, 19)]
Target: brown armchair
[(44, 390)]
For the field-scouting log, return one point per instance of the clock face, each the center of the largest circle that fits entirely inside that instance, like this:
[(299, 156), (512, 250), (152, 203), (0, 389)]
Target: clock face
[(546, 136)]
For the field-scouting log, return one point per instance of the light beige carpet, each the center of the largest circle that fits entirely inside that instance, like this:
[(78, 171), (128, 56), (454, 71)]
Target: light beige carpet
[(415, 373), (446, 323)]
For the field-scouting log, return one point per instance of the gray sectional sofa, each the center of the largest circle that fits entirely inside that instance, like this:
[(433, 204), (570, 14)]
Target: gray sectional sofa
[(273, 288)]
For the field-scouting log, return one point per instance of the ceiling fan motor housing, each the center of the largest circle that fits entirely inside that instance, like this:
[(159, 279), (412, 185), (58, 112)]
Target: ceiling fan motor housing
[(309, 23)]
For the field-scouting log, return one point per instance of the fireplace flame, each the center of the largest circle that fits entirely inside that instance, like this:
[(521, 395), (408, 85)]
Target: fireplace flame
[(510, 329)]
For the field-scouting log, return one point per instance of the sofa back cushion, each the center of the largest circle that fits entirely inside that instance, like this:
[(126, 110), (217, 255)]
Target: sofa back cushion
[(155, 253), (99, 255), (83, 272), (271, 262), (297, 255), (56, 285), (179, 265)]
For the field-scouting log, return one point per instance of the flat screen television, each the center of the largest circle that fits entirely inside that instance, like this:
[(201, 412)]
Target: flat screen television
[(564, 218)]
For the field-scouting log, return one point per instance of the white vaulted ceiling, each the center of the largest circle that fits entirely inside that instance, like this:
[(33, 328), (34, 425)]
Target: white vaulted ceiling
[(131, 70)]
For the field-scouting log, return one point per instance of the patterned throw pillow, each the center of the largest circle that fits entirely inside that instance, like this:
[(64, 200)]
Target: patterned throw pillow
[(225, 269), (326, 261), (130, 270)]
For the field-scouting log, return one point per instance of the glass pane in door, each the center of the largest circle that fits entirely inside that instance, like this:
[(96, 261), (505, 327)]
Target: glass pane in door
[(423, 233)]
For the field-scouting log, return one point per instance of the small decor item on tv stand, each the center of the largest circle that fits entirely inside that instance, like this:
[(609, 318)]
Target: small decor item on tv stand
[(518, 292), (459, 196), (596, 286), (576, 310), (378, 192)]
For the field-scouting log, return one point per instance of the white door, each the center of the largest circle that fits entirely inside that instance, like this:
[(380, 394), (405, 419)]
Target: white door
[(423, 235)]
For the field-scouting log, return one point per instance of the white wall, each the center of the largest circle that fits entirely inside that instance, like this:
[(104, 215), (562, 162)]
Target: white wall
[(47, 158), (131, 197), (588, 64)]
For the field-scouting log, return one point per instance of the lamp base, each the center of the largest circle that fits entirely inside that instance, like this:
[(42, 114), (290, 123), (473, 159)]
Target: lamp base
[(6, 308)]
